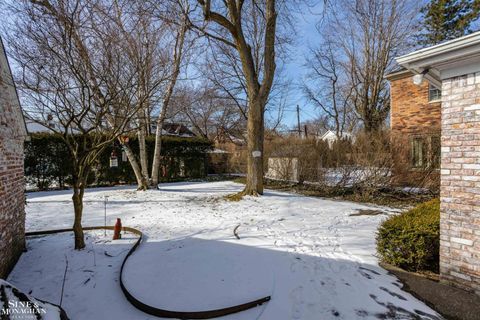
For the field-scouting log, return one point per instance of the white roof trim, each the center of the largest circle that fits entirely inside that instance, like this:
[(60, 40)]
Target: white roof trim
[(442, 48), (447, 59)]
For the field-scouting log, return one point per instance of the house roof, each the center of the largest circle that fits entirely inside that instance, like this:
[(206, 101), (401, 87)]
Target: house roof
[(398, 73), (176, 129), (329, 134), (446, 60), (9, 90), (33, 126)]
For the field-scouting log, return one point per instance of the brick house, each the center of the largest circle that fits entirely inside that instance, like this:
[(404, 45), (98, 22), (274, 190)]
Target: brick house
[(415, 122), (454, 66), (12, 200)]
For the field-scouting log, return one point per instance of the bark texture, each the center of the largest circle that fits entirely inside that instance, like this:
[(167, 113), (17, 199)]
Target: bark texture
[(258, 86)]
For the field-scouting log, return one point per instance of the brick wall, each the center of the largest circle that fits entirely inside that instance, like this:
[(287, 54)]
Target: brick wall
[(412, 115), (12, 199), (460, 182)]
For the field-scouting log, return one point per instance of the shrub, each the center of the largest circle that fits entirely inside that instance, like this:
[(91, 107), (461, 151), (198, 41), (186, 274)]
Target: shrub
[(411, 240), (48, 160)]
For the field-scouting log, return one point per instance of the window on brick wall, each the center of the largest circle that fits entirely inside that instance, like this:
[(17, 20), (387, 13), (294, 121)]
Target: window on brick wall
[(434, 93), (425, 152), (418, 152)]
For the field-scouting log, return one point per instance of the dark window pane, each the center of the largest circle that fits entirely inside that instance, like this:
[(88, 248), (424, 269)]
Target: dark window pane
[(418, 152), (434, 93)]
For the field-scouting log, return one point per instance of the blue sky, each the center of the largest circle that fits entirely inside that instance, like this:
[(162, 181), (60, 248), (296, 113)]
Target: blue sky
[(307, 37)]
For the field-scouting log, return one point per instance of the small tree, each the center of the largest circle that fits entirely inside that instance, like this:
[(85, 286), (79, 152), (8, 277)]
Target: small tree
[(75, 79), (447, 19)]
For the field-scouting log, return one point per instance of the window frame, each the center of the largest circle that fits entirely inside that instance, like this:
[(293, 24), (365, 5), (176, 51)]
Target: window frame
[(425, 152), (437, 97), (417, 147)]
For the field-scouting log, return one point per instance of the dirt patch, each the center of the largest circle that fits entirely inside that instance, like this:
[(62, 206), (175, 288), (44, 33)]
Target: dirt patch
[(366, 212)]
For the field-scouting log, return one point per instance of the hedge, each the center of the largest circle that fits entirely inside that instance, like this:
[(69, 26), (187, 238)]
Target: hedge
[(411, 240), (48, 161)]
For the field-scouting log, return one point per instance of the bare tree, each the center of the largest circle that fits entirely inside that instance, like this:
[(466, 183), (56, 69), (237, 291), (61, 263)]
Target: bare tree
[(327, 87), (154, 35), (249, 28), (74, 73), (376, 32), (209, 111), (177, 56), (144, 43)]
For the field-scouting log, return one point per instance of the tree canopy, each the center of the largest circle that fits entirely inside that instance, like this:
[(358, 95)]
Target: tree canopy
[(448, 19)]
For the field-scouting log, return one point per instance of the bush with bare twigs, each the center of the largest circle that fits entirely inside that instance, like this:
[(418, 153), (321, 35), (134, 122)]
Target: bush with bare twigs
[(364, 164)]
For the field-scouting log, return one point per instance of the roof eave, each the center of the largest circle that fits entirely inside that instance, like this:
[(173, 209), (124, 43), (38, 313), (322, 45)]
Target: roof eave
[(436, 62), (442, 48)]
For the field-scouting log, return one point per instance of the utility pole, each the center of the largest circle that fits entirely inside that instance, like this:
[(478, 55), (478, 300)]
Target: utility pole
[(298, 121)]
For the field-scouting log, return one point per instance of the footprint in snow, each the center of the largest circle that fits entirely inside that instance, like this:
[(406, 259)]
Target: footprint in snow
[(297, 298)]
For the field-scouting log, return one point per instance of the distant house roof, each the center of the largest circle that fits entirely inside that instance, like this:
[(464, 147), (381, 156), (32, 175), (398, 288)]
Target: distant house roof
[(174, 129), (223, 136), (330, 135), (35, 127)]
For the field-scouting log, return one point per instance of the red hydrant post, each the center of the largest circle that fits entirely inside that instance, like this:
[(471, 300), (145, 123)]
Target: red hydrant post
[(116, 230)]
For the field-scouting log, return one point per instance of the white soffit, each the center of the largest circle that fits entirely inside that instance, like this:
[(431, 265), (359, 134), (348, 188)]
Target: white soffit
[(452, 58)]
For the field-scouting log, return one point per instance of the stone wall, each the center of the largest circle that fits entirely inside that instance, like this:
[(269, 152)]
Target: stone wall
[(12, 198), (460, 182), (283, 168)]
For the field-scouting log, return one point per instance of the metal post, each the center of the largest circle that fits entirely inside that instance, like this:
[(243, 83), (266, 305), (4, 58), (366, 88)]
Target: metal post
[(298, 121), (105, 213)]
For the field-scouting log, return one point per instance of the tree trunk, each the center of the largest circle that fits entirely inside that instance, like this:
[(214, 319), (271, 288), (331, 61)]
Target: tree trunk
[(141, 180), (143, 151), (255, 126), (158, 148), (78, 189), (177, 55)]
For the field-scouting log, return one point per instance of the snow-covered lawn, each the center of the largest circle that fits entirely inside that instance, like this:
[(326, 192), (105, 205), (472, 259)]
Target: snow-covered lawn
[(309, 254)]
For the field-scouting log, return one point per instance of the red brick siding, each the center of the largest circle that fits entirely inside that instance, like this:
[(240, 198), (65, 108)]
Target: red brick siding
[(12, 203), (12, 198), (412, 115)]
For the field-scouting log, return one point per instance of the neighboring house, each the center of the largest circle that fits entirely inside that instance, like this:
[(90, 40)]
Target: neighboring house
[(12, 199), (415, 121), (229, 155), (169, 129), (330, 137), (174, 129), (455, 67)]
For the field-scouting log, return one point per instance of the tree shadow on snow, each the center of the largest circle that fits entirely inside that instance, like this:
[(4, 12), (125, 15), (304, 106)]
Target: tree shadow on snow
[(193, 274)]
